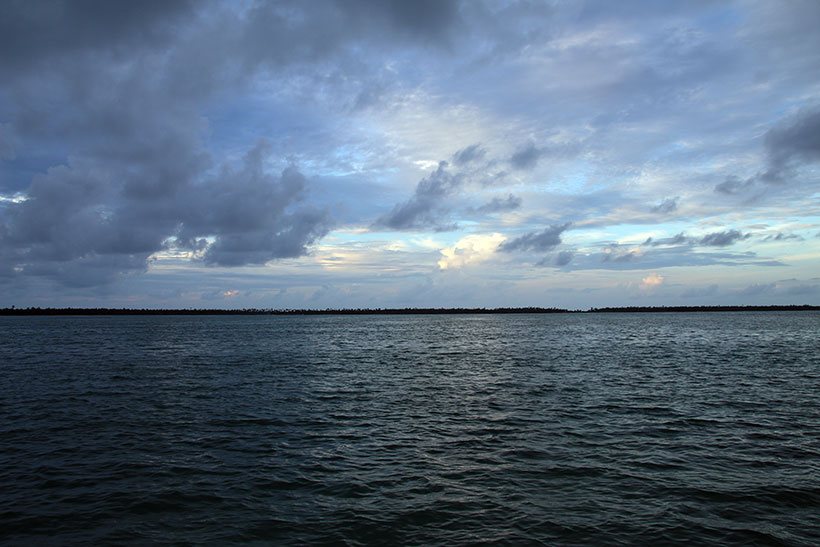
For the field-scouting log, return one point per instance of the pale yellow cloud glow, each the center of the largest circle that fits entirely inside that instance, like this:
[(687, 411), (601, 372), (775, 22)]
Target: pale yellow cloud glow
[(651, 281)]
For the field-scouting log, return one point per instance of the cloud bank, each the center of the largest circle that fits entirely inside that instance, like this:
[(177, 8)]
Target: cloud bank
[(383, 153)]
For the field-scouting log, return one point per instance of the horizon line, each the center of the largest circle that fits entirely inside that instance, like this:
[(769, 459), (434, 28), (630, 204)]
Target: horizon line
[(38, 311)]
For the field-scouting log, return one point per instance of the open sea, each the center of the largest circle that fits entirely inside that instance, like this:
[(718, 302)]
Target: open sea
[(604, 429)]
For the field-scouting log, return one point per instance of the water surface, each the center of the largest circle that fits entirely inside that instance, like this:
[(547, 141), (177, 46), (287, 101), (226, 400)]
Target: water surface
[(554, 429)]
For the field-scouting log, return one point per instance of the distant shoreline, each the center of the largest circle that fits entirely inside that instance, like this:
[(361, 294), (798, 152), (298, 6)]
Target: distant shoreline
[(33, 311)]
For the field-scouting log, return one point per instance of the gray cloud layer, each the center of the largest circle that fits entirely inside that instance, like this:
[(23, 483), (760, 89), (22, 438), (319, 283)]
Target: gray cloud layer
[(103, 222), (132, 129), (789, 145), (545, 240), (798, 141)]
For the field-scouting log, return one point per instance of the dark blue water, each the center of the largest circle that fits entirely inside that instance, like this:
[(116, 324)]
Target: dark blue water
[(553, 429)]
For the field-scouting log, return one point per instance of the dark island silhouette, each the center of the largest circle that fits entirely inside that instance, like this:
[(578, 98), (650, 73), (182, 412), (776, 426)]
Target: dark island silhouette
[(32, 311)]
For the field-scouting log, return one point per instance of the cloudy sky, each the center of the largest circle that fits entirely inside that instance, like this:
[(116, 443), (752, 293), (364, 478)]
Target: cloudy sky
[(398, 153)]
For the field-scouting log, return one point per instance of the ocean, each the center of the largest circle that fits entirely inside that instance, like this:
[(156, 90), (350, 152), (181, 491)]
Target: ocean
[(658, 428)]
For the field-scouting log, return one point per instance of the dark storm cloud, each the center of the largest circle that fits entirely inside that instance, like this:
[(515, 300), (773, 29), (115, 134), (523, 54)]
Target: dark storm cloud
[(32, 32), (796, 141), (789, 145), (271, 35), (89, 216), (545, 240), (250, 213), (123, 99), (426, 209), (428, 19), (722, 239), (497, 204)]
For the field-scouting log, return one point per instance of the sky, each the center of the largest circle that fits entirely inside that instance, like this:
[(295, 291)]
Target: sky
[(409, 154)]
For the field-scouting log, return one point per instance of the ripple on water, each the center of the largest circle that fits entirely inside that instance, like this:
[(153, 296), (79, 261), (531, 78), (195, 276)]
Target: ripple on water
[(570, 429)]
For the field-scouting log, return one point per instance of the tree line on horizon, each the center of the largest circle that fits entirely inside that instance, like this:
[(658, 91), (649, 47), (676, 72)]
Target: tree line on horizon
[(29, 311)]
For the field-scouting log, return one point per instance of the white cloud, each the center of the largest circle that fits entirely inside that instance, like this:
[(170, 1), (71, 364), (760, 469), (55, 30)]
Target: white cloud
[(652, 281), (471, 249)]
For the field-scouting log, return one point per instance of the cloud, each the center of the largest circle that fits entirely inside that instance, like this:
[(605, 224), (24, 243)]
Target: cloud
[(426, 209), (498, 204), (219, 294), (619, 253), (429, 207), (803, 289), (735, 185), (792, 143), (796, 140), (471, 249), (426, 20), (472, 153), (128, 141), (79, 27), (722, 239), (652, 281), (780, 236), (782, 288), (641, 257), (545, 240), (91, 222), (677, 239), (700, 292), (251, 214), (758, 288), (668, 205), (526, 157), (8, 142), (714, 239), (678, 250)]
